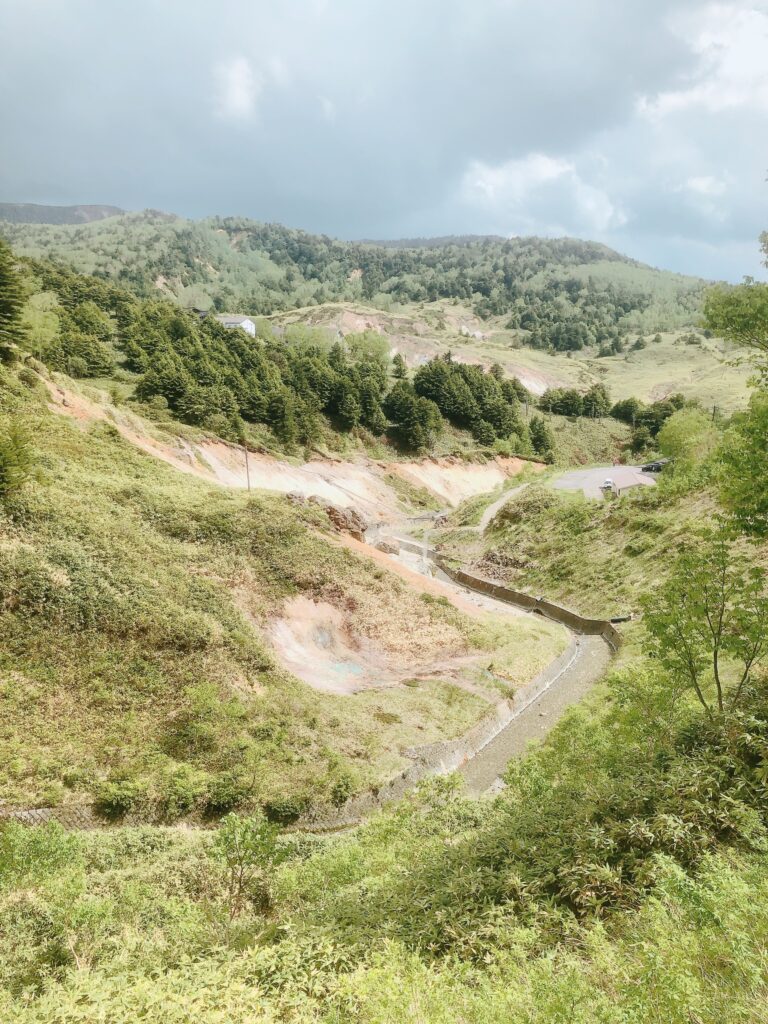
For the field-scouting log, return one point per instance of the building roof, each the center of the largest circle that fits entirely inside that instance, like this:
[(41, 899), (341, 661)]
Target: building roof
[(234, 319)]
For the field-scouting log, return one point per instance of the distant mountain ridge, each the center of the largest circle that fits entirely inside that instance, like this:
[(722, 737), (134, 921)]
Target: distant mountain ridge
[(37, 213)]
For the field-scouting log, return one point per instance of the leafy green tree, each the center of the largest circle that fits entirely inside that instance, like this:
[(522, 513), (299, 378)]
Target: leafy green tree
[(739, 314), (369, 345), (713, 607), (626, 410), (11, 305), (744, 457), (596, 401), (563, 401), (248, 851), (688, 437), (640, 440)]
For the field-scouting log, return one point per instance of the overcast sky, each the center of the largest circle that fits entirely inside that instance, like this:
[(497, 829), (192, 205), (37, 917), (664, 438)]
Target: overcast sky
[(644, 125)]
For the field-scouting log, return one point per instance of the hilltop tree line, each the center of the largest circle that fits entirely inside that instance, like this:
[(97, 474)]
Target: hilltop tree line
[(538, 285)]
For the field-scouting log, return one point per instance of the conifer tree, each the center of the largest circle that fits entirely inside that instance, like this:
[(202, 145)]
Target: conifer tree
[(11, 305)]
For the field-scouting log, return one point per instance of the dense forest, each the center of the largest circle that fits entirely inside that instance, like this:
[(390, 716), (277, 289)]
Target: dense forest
[(303, 384), (560, 294)]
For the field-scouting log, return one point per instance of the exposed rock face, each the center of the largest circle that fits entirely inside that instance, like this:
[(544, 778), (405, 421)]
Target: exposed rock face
[(388, 547), (343, 520)]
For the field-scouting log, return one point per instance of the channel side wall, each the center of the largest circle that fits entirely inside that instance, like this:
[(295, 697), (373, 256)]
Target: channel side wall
[(574, 621), (445, 756), (433, 759)]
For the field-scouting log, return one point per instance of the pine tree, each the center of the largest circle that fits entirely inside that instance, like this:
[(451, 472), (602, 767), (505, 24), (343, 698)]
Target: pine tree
[(16, 460), (542, 438), (11, 305), (399, 369), (281, 417)]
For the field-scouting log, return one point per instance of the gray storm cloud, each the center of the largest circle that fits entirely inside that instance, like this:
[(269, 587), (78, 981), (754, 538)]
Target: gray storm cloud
[(640, 125)]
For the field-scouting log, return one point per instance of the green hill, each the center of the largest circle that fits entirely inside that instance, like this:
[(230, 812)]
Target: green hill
[(563, 293)]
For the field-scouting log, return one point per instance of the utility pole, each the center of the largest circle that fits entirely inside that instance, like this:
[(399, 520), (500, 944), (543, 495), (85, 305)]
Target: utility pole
[(247, 467)]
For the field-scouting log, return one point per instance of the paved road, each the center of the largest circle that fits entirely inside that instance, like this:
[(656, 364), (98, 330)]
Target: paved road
[(589, 481)]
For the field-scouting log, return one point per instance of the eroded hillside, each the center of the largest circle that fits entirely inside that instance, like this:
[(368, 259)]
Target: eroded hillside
[(147, 639)]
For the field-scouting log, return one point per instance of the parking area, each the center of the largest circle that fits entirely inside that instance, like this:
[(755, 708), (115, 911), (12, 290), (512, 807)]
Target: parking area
[(590, 481)]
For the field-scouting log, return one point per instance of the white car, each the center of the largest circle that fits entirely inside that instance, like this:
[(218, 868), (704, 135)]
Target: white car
[(607, 483)]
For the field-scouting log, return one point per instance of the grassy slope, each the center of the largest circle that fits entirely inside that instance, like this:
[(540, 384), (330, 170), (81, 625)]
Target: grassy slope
[(134, 924), (708, 371), (133, 647), (596, 557)]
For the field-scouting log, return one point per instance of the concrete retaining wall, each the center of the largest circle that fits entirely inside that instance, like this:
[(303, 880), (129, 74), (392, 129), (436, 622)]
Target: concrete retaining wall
[(574, 621), (78, 816)]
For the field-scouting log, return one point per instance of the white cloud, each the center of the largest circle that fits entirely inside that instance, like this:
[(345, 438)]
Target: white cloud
[(238, 88), (706, 185), (731, 43), (512, 181), (517, 190)]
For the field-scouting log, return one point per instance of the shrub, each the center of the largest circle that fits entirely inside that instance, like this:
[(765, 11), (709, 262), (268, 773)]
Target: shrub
[(33, 852), (181, 789), (16, 460), (285, 809), (226, 791), (117, 798)]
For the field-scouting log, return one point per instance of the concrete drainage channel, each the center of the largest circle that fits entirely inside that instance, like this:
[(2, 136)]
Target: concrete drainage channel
[(481, 754), (538, 706)]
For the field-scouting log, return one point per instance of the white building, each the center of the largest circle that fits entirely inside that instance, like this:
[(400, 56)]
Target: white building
[(245, 322)]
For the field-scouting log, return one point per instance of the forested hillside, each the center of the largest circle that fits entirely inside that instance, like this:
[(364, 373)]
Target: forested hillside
[(291, 388), (559, 293)]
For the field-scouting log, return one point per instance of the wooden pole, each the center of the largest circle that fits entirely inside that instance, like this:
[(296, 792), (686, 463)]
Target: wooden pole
[(247, 467)]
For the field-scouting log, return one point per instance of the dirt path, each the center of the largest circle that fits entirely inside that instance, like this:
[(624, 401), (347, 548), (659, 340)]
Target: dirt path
[(491, 511)]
